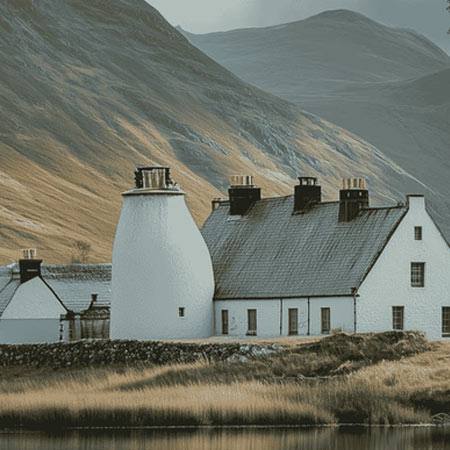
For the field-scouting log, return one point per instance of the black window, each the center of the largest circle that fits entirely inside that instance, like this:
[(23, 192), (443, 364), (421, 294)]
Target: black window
[(417, 274), (326, 320), (398, 317), (251, 322), (224, 321), (446, 321), (418, 233), (293, 321), (181, 312)]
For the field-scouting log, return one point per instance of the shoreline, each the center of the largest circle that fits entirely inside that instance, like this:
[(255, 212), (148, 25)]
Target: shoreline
[(226, 427)]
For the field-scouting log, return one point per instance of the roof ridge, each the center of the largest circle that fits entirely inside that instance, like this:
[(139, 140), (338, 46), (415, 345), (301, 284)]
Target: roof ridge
[(371, 208)]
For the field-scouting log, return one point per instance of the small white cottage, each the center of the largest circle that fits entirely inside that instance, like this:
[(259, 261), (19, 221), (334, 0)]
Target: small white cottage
[(50, 303), (298, 266)]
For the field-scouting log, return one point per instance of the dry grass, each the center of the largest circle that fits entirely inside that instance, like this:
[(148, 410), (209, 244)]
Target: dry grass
[(390, 392)]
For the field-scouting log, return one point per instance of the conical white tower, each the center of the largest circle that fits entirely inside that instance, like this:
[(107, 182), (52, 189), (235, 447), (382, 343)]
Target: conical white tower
[(162, 276)]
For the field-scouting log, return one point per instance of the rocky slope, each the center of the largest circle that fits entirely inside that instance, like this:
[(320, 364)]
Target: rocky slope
[(89, 89), (389, 86)]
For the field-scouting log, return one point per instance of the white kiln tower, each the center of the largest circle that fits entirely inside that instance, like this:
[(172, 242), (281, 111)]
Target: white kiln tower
[(162, 276)]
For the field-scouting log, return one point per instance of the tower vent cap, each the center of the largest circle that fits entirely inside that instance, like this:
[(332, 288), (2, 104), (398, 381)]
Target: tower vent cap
[(155, 177)]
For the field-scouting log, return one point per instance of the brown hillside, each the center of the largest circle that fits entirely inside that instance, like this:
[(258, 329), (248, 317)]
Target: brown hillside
[(89, 89)]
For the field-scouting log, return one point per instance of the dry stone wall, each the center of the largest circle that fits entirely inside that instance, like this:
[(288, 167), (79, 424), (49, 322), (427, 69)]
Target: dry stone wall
[(86, 353)]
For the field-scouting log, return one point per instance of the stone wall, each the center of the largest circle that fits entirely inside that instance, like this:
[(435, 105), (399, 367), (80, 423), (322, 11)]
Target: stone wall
[(86, 353)]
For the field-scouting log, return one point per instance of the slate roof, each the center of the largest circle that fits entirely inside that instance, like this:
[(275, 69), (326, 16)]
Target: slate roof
[(72, 283), (272, 253), (75, 283)]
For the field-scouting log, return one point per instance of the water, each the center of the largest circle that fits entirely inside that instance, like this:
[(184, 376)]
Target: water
[(348, 438)]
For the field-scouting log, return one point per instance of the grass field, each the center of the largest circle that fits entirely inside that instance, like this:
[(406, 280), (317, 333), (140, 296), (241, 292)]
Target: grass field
[(295, 387)]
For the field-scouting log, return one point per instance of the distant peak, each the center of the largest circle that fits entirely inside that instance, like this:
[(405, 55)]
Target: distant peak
[(342, 15)]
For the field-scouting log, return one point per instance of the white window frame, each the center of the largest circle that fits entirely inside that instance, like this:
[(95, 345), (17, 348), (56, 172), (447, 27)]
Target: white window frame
[(418, 274), (398, 318), (325, 322), (250, 330), (418, 233)]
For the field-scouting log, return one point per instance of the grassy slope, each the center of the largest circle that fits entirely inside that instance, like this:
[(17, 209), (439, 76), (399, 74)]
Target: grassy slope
[(384, 386), (89, 89)]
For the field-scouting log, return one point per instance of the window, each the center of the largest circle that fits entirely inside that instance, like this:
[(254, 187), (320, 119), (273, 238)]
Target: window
[(417, 274), (181, 312), (397, 317), (326, 322), (224, 321), (418, 233), (446, 321), (251, 316), (293, 321)]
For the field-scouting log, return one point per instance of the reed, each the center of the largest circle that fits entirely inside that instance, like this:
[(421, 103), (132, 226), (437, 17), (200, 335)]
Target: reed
[(246, 393)]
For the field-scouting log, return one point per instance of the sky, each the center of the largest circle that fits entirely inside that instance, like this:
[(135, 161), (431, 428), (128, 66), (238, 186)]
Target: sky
[(201, 16)]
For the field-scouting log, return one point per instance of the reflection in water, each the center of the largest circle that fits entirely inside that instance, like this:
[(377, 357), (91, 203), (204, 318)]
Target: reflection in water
[(349, 438)]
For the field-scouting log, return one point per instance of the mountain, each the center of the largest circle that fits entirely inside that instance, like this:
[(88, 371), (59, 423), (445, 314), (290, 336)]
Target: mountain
[(89, 89), (389, 86)]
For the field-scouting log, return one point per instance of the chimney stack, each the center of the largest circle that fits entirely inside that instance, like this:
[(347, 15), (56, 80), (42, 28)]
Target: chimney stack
[(307, 193), (242, 194), (353, 197), (29, 266)]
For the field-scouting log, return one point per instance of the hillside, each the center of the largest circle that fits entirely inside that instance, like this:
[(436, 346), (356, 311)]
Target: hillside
[(89, 89), (389, 86)]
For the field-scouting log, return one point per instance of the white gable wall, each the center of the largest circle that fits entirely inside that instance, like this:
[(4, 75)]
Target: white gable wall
[(33, 300), (389, 282), (32, 315)]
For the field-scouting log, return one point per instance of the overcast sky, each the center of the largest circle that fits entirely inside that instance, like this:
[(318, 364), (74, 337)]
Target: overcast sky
[(201, 16)]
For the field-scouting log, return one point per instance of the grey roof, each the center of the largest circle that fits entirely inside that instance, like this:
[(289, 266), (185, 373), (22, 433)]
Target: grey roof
[(73, 284), (5, 276), (272, 253)]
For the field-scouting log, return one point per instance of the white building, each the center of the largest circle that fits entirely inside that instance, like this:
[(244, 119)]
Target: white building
[(282, 266), (49, 303), (298, 266), (162, 277)]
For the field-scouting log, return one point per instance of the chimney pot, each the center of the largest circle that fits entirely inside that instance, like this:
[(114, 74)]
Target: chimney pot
[(29, 253), (241, 181)]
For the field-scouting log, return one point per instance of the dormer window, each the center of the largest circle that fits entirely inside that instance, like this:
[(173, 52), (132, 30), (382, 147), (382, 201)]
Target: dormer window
[(418, 233)]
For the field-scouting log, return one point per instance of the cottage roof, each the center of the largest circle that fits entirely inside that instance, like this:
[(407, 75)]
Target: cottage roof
[(73, 284), (272, 253)]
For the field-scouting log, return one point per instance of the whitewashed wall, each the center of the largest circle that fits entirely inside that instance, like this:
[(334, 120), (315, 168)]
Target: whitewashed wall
[(388, 284), (34, 300), (29, 331), (33, 315), (160, 263), (273, 315)]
